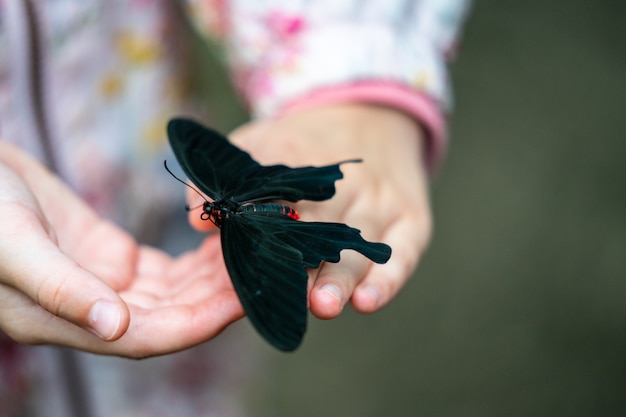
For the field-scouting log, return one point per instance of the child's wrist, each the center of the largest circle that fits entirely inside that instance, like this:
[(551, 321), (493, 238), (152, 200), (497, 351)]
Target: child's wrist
[(417, 105)]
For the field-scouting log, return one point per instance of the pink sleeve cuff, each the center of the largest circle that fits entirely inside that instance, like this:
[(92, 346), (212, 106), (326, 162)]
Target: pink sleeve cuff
[(418, 105)]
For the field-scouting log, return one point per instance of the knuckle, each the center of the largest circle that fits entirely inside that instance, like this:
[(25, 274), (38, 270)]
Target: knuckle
[(54, 291)]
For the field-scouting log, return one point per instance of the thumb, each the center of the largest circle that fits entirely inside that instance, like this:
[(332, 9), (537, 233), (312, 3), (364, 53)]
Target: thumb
[(31, 263)]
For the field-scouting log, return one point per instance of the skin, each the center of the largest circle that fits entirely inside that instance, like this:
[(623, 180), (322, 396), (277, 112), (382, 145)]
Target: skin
[(58, 259), (68, 277)]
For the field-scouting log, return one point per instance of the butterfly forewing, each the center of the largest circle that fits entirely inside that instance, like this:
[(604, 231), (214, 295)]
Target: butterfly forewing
[(208, 159), (223, 171)]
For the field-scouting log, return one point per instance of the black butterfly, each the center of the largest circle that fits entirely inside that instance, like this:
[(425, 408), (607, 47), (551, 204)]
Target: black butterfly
[(265, 247)]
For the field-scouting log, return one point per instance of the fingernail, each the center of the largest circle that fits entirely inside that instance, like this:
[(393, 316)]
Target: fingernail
[(104, 319), (333, 290), (372, 293)]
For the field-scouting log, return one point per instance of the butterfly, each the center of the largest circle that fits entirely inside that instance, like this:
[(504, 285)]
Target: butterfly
[(266, 248)]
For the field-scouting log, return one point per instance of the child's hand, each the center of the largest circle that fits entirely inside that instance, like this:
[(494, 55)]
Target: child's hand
[(386, 196), (67, 277)]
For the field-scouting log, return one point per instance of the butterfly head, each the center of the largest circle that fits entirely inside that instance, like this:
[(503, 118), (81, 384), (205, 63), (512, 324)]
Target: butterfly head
[(217, 211)]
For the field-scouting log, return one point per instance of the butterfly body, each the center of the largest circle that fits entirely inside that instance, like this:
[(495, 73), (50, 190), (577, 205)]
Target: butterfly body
[(217, 211), (266, 248)]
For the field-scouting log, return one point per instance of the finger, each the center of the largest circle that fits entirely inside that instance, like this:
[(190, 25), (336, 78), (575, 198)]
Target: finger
[(382, 282), (34, 265), (98, 246), (334, 284), (207, 260), (173, 328), (200, 224), (190, 278), (155, 331), (195, 203), (106, 251)]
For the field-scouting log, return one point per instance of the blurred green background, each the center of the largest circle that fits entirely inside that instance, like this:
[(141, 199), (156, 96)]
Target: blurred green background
[(519, 308)]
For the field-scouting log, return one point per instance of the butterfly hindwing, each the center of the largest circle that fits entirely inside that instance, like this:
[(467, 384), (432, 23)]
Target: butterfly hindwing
[(269, 278), (223, 171)]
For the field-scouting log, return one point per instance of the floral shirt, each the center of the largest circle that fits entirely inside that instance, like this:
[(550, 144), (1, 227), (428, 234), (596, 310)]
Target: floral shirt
[(87, 86)]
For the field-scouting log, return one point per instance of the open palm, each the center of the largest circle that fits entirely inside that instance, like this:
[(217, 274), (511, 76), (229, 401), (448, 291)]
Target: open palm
[(68, 277)]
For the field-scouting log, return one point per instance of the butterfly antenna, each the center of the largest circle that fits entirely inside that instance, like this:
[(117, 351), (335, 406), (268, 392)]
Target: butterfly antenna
[(183, 182)]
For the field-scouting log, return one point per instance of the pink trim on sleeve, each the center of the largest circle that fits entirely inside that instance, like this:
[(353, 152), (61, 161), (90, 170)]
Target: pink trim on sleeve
[(418, 105)]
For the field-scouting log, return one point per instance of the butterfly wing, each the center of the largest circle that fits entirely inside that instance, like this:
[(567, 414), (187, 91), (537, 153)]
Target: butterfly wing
[(208, 159), (223, 171), (316, 241), (266, 254), (269, 278)]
